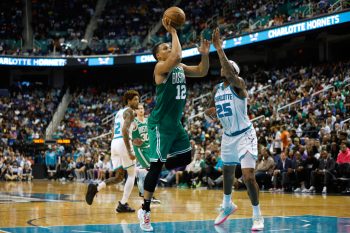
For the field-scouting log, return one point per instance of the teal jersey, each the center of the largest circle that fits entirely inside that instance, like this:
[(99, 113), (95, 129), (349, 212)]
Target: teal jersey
[(119, 123)]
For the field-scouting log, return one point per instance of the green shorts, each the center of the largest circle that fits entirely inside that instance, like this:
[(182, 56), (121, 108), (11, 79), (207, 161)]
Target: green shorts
[(167, 142), (142, 156)]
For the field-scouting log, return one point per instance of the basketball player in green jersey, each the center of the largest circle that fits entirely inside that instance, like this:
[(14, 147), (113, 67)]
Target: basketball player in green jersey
[(169, 143), (140, 138), (141, 147)]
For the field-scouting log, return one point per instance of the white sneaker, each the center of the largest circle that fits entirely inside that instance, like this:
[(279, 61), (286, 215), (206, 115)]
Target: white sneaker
[(258, 223), (224, 213), (297, 190), (145, 222), (220, 229), (155, 200), (311, 189), (304, 190), (324, 190)]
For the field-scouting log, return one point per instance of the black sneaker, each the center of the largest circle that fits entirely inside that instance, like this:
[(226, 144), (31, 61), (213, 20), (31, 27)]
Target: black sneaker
[(124, 208), (91, 193)]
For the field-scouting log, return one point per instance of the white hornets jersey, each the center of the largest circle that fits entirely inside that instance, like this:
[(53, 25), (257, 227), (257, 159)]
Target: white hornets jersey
[(231, 110), (119, 123)]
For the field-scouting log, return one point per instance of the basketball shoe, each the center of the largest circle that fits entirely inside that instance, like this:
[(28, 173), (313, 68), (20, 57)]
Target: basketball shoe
[(224, 213), (258, 223), (91, 193), (145, 221), (124, 208)]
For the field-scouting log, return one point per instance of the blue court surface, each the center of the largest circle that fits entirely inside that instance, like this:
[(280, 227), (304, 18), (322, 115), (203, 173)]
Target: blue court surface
[(307, 224)]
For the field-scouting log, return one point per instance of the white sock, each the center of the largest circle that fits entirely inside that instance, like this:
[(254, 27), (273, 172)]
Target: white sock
[(226, 201), (101, 186), (256, 210), (129, 184)]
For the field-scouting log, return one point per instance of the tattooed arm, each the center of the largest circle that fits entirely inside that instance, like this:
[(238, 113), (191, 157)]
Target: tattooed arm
[(228, 70), (128, 119)]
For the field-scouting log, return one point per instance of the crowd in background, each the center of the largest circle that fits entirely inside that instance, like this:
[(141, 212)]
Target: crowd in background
[(302, 147), (59, 27)]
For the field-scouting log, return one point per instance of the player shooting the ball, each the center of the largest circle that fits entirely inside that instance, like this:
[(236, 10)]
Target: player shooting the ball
[(169, 143)]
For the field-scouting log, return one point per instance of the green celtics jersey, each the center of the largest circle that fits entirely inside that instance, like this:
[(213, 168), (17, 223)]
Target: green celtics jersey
[(141, 132), (171, 99)]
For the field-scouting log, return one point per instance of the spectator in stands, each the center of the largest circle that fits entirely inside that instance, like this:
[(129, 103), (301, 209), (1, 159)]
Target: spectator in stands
[(343, 162), (299, 172), (63, 166), (106, 170), (80, 169), (311, 163), (10, 174), (325, 171), (90, 164), (192, 175), (214, 171), (277, 141), (282, 173), (27, 172), (70, 168), (264, 168), (285, 137), (51, 161)]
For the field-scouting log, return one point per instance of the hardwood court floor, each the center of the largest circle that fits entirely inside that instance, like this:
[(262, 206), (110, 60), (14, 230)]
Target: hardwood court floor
[(52, 203)]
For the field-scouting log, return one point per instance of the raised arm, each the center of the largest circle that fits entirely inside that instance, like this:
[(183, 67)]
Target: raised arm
[(174, 57), (128, 119), (229, 71), (202, 68)]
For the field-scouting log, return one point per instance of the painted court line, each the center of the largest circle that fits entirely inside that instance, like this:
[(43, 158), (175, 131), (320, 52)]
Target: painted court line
[(1, 231), (87, 231), (281, 230)]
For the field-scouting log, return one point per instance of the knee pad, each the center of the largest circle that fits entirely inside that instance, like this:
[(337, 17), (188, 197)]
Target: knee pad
[(152, 176)]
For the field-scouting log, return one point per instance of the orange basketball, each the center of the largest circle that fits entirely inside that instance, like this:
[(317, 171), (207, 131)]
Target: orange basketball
[(176, 15)]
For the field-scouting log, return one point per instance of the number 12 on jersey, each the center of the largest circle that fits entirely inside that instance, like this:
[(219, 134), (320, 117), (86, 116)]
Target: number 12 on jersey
[(181, 92)]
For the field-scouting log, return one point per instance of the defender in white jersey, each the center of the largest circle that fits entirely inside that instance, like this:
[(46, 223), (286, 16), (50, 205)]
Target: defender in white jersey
[(122, 155), (239, 142)]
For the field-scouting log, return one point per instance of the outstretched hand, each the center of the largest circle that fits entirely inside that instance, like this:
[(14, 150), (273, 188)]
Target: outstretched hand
[(204, 46), (167, 25), (217, 41)]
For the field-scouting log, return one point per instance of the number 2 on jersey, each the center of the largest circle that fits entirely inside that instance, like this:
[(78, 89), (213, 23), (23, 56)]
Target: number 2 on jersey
[(117, 129), (223, 110), (181, 92)]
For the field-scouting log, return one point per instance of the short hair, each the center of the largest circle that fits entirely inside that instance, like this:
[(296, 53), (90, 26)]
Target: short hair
[(155, 50), (129, 95)]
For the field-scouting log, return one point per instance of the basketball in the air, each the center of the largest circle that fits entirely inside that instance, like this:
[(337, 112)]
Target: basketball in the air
[(176, 15)]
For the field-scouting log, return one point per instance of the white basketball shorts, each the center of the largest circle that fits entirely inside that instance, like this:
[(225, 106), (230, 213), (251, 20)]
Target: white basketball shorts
[(235, 148), (119, 155)]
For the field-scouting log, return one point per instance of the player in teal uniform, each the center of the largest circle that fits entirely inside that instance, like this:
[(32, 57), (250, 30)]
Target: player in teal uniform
[(169, 143), (122, 155), (239, 144)]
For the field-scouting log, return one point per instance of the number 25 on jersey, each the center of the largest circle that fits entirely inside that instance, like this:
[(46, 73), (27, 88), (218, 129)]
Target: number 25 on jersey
[(223, 110)]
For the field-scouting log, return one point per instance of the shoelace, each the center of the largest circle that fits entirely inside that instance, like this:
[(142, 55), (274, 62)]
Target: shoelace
[(257, 220), (146, 218)]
